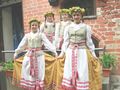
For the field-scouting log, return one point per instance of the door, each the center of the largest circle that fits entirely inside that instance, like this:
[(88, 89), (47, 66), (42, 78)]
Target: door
[(1, 38)]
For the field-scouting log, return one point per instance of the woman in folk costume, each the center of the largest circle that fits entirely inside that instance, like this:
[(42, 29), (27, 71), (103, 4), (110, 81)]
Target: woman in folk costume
[(33, 66), (60, 27), (81, 69), (48, 27)]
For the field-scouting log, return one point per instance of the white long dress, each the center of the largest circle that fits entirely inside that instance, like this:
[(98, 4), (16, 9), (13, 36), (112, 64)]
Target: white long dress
[(76, 74), (59, 33), (33, 66)]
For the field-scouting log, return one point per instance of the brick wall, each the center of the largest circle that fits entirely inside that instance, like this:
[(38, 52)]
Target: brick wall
[(36, 9), (106, 27)]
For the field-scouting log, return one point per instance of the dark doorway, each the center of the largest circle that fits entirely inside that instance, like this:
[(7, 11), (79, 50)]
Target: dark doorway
[(17, 27), (1, 49), (1, 38), (17, 21)]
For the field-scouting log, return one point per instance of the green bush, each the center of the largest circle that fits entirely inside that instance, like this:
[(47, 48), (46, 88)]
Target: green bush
[(108, 60), (8, 65)]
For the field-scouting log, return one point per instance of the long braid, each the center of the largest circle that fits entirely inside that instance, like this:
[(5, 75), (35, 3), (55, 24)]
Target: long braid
[(60, 27), (53, 21), (45, 23)]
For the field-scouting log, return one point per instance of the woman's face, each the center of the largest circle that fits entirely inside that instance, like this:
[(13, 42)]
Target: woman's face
[(64, 16), (34, 26), (49, 18), (77, 16)]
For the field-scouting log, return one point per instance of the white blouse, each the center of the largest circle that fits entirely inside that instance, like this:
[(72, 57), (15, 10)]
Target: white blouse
[(42, 26), (59, 30), (75, 27), (34, 40)]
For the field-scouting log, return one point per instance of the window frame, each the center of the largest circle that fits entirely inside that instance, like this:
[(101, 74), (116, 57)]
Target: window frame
[(94, 16), (94, 12)]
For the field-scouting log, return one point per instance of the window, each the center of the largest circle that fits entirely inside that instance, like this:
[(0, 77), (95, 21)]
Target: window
[(89, 6)]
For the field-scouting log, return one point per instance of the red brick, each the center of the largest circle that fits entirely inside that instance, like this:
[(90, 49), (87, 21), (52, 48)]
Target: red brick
[(111, 24), (110, 33), (109, 42)]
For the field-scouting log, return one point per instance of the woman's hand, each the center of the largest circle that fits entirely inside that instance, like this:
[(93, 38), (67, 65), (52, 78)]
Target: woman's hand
[(15, 56), (56, 55), (61, 55)]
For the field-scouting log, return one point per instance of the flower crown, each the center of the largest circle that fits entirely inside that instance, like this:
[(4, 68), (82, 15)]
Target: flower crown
[(64, 11), (77, 9), (48, 14), (34, 20)]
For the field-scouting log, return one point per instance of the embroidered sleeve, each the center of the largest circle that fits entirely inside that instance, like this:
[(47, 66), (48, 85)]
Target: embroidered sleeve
[(22, 45), (66, 40), (57, 34), (42, 27), (89, 40)]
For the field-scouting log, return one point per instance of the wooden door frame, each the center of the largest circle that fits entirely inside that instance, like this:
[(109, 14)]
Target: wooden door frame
[(1, 38)]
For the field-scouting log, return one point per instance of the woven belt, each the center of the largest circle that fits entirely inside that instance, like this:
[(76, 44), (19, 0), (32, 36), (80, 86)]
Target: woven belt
[(75, 46), (33, 61)]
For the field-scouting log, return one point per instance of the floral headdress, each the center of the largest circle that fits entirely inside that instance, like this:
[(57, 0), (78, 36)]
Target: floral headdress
[(48, 14), (77, 9), (64, 11), (34, 20)]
